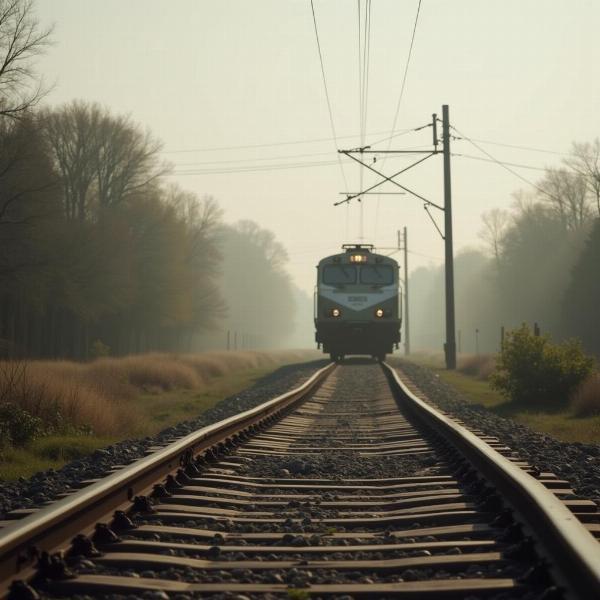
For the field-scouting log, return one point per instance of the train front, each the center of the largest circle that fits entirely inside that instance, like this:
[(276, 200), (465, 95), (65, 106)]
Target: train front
[(357, 308)]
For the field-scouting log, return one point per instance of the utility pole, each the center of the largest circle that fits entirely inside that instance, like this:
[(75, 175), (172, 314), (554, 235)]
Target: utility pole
[(404, 246), (450, 345), (428, 205)]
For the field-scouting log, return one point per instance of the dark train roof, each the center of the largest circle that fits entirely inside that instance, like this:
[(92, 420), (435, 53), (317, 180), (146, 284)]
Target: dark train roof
[(351, 250)]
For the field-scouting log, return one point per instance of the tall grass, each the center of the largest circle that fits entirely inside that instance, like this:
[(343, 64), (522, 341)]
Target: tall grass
[(93, 395), (477, 365), (585, 401)]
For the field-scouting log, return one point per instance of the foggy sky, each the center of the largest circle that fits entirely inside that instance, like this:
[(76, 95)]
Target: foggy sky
[(205, 74)]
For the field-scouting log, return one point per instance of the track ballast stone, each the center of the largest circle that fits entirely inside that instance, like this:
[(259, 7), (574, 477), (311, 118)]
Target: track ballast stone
[(343, 468), (576, 462), (47, 485)]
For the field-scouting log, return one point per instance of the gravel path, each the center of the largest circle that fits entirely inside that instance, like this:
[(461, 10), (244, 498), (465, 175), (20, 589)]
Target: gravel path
[(46, 485), (576, 462)]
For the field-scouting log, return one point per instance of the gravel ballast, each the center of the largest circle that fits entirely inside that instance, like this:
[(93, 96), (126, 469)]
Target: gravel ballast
[(354, 404), (576, 462), (47, 485)]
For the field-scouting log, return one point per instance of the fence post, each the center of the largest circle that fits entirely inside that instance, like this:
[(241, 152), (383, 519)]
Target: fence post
[(501, 338), (536, 330)]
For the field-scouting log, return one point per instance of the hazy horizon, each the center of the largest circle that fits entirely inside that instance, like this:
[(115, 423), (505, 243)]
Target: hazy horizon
[(205, 75)]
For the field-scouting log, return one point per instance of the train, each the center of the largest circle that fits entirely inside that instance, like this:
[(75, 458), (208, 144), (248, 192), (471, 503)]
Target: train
[(357, 303)]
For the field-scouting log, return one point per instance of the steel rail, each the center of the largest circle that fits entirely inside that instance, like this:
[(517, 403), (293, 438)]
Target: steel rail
[(572, 551), (52, 526)]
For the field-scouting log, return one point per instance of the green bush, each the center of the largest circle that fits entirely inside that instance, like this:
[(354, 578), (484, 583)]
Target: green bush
[(99, 349), (532, 369), (17, 425)]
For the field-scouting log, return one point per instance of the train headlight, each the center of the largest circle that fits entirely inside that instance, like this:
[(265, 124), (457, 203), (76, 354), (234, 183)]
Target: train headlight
[(335, 312), (379, 313), (358, 258)]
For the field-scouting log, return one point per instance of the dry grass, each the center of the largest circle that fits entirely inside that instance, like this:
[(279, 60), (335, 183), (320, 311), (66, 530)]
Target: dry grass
[(93, 395), (586, 399), (477, 365)]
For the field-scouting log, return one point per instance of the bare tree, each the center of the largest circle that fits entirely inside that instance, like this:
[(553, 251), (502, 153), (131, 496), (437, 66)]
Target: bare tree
[(586, 163), (495, 224), (274, 252), (71, 132), (566, 192), (103, 159), (126, 160), (22, 39)]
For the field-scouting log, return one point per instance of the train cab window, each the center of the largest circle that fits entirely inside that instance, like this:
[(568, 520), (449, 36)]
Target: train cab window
[(339, 274), (377, 274)]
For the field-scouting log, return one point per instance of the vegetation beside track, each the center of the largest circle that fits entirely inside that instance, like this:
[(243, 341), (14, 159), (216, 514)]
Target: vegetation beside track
[(561, 422), (71, 409)]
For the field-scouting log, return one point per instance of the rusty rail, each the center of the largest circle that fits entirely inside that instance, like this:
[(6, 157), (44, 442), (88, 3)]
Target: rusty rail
[(572, 551), (50, 527)]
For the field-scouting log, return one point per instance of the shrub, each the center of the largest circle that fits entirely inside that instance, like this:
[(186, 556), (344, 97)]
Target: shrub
[(533, 369), (586, 398), (99, 349), (477, 365), (19, 426)]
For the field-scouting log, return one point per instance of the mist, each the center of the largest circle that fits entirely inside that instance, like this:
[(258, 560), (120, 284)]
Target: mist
[(536, 265), (168, 184)]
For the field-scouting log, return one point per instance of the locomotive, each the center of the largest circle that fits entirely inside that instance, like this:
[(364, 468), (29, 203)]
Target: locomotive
[(357, 303)]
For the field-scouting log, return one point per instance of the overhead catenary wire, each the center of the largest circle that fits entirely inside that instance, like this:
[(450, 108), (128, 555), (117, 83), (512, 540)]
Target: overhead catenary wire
[(257, 168), (399, 103), (517, 147), (395, 134), (252, 160), (364, 45), (504, 165), (398, 134), (330, 111), (273, 144), (406, 67), (510, 164)]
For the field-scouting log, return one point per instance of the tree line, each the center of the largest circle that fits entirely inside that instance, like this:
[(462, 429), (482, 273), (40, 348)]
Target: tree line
[(97, 249), (539, 265)]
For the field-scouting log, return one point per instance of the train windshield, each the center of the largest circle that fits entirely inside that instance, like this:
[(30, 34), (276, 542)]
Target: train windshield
[(339, 274), (377, 274)]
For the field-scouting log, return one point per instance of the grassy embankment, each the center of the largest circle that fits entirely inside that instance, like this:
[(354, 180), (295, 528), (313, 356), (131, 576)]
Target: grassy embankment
[(79, 407), (576, 421)]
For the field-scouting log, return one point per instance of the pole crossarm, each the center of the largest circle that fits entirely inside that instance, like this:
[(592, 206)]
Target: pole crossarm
[(350, 197), (373, 193), (366, 150)]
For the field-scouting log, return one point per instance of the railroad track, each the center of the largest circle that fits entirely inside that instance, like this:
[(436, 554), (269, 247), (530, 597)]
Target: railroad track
[(348, 486)]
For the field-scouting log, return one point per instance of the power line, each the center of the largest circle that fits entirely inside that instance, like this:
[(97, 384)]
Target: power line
[(398, 134), (364, 63), (404, 77), (523, 147), (256, 169), (510, 164), (505, 166), (251, 160), (365, 69), (273, 144), (400, 97), (327, 93), (425, 255)]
